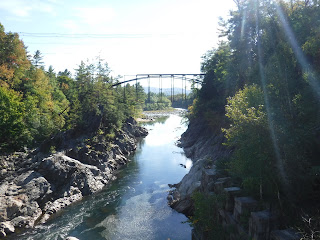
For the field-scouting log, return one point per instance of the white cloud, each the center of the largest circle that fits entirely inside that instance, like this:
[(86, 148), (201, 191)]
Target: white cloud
[(23, 9)]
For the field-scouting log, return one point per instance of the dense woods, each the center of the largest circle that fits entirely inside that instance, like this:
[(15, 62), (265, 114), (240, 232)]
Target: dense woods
[(262, 89), (36, 103)]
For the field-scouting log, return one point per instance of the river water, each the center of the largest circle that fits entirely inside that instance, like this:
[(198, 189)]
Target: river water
[(134, 206)]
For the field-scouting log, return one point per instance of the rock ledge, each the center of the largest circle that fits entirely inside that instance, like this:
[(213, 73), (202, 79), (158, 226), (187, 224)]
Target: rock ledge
[(34, 186)]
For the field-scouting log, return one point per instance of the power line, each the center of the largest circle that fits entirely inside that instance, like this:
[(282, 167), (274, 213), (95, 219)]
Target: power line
[(88, 35)]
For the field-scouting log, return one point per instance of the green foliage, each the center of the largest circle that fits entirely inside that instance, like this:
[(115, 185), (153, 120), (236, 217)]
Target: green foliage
[(13, 59), (263, 81), (212, 96), (36, 104), (249, 134), (131, 99), (157, 102), (223, 165), (182, 100), (246, 107), (12, 127), (98, 101), (37, 59), (206, 214)]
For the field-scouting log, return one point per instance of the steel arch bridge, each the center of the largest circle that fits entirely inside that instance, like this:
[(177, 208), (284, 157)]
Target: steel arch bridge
[(195, 79)]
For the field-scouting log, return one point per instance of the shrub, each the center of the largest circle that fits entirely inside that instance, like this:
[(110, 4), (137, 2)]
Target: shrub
[(248, 133)]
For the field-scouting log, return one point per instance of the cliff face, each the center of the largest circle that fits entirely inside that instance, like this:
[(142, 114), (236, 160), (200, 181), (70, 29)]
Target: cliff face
[(200, 141), (204, 147), (34, 186), (247, 218)]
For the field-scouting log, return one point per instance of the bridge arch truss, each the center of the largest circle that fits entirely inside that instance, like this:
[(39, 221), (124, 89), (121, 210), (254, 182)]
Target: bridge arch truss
[(195, 79)]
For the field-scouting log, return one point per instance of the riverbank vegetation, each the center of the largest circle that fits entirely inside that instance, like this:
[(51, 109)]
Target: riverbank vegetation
[(36, 103), (262, 89), (157, 101), (161, 101)]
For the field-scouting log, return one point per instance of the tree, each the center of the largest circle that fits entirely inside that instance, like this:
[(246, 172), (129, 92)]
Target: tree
[(158, 101), (37, 59), (12, 127), (66, 73), (249, 134), (36, 104), (13, 59), (51, 73)]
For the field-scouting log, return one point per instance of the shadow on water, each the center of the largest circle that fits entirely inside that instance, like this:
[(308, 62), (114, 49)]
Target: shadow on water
[(134, 206)]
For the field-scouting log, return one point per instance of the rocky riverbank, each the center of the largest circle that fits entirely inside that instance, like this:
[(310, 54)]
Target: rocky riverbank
[(148, 116), (239, 215), (35, 185), (204, 147)]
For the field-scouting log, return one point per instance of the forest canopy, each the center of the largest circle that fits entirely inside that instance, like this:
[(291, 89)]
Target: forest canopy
[(262, 88), (36, 103)]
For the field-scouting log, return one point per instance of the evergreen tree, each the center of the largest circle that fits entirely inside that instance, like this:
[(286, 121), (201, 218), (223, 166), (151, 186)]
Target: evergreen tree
[(37, 59)]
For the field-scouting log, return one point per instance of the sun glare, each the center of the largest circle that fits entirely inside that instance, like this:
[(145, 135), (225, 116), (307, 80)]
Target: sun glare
[(267, 104), (306, 67)]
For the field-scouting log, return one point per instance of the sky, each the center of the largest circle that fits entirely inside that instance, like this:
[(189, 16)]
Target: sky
[(132, 36)]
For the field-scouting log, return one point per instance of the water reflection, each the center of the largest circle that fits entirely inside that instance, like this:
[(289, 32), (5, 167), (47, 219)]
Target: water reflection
[(166, 133), (161, 120)]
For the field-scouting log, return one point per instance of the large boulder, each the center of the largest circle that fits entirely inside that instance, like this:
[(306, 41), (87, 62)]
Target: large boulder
[(34, 185), (60, 203), (125, 143), (19, 199), (131, 127), (87, 178)]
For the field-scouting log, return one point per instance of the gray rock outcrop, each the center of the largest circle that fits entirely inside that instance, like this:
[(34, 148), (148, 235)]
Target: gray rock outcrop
[(204, 147), (35, 186)]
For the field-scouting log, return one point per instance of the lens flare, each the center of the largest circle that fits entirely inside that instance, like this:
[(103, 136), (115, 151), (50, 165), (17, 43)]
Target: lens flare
[(280, 166), (243, 23), (306, 67)]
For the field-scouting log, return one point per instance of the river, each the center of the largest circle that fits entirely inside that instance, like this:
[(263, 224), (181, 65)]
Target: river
[(134, 206)]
